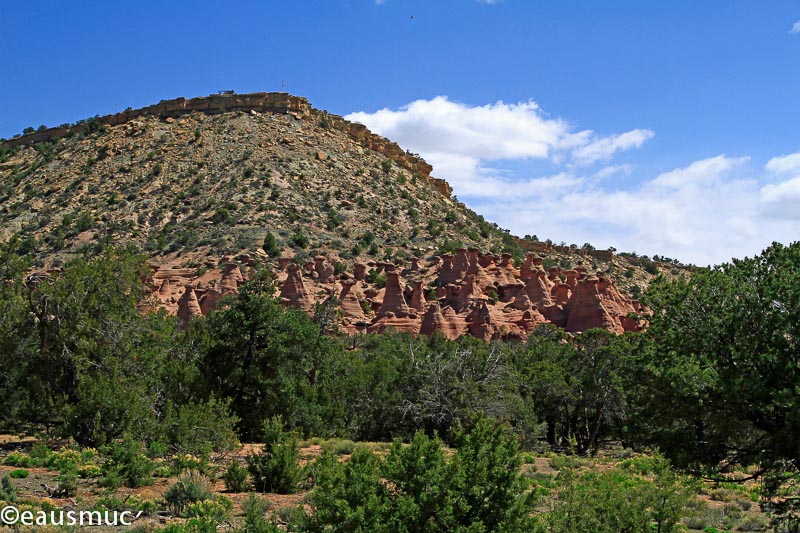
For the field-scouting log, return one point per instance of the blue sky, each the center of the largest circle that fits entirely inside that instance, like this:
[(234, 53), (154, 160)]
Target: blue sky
[(660, 127)]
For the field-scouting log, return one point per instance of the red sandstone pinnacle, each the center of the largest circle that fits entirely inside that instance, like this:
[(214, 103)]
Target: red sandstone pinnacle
[(468, 292), (348, 302), (393, 300), (188, 306), (480, 322), (323, 269), (417, 298), (448, 324), (521, 300), (537, 289), (360, 271), (585, 309), (294, 290), (209, 300), (231, 277)]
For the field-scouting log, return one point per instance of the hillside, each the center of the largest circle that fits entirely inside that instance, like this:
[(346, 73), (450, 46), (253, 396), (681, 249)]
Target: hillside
[(201, 184)]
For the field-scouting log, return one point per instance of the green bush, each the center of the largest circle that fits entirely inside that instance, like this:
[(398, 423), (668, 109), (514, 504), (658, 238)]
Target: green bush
[(8, 492), (620, 500), (186, 461), (299, 239), (191, 487), (275, 469), (270, 245), (255, 510), (339, 446), (478, 489), (68, 481), (127, 464), (18, 474), (21, 460), (217, 509), (200, 427), (235, 477)]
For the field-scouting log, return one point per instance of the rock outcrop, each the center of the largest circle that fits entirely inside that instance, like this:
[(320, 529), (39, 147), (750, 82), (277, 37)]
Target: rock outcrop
[(509, 305)]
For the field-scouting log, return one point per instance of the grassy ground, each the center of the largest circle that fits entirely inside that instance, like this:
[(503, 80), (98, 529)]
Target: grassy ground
[(715, 508)]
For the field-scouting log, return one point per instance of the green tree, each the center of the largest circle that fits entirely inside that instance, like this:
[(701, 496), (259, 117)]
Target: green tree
[(269, 360), (719, 378)]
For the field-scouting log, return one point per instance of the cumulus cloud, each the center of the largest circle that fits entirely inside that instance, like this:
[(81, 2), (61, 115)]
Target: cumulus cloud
[(784, 164), (795, 27), (459, 139), (706, 212)]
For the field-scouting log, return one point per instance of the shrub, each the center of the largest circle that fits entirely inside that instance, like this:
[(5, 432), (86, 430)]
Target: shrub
[(478, 489), (68, 481), (183, 462), (235, 477), (200, 427), (216, 509), (339, 446), (128, 464), (271, 245), (190, 488), (386, 165), (8, 492), (90, 470), (18, 474), (193, 525), (275, 469), (20, 459), (255, 509), (299, 239)]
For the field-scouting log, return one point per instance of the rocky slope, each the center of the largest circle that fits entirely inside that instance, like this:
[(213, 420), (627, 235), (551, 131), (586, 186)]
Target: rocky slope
[(209, 186)]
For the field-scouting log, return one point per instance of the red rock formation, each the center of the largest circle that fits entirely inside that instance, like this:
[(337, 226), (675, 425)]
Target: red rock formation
[(393, 300), (435, 320), (537, 289), (293, 290), (417, 298), (209, 300), (585, 309), (461, 308), (348, 302), (390, 322), (467, 293), (360, 271), (521, 300), (323, 269), (231, 277), (480, 322), (188, 307)]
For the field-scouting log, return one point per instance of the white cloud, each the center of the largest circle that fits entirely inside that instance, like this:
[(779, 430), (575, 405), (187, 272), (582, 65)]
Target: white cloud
[(699, 173), (795, 27), (604, 148), (781, 200), (490, 132), (456, 138), (611, 170), (705, 212), (784, 164)]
